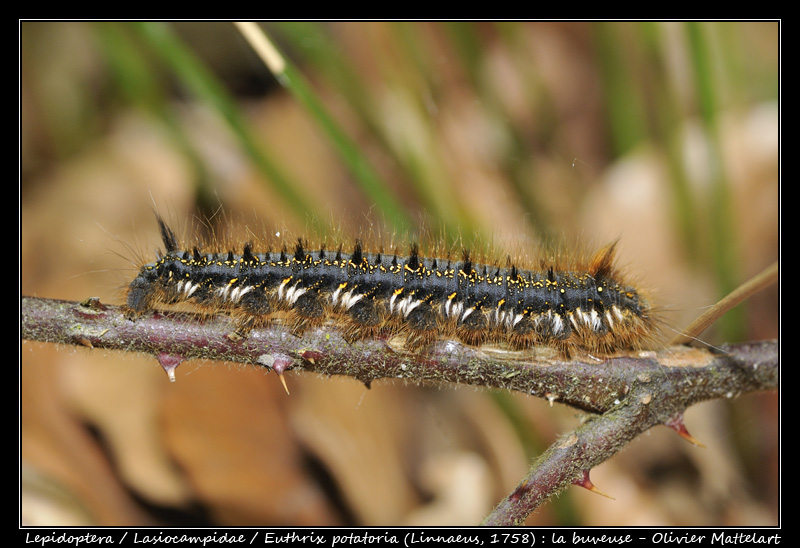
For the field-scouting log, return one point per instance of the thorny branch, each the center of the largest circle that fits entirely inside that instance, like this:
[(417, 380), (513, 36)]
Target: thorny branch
[(628, 393)]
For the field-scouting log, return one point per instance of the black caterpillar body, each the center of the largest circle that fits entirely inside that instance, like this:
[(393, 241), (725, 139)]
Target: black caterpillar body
[(425, 298)]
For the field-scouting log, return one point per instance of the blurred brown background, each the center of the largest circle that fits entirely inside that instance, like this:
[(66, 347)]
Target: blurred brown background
[(505, 135)]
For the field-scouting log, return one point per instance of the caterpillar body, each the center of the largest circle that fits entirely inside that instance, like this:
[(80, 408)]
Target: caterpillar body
[(424, 298)]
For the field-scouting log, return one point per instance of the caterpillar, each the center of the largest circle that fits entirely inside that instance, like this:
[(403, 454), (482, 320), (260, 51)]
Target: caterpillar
[(590, 309)]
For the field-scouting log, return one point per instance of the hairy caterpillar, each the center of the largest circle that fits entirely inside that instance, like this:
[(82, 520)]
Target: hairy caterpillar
[(425, 298)]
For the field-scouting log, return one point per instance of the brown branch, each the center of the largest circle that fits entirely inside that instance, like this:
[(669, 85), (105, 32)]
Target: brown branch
[(651, 401), (631, 393)]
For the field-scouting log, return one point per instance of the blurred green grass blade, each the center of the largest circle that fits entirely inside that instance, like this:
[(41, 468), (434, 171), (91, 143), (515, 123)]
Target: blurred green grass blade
[(128, 67), (412, 87), (703, 72), (139, 86), (624, 107), (172, 52), (667, 131), (464, 38), (517, 161), (720, 209), (369, 181), (322, 54), (313, 42)]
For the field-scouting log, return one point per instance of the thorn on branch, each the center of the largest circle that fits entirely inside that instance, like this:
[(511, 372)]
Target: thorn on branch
[(169, 362), (586, 483), (279, 363), (678, 425)]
